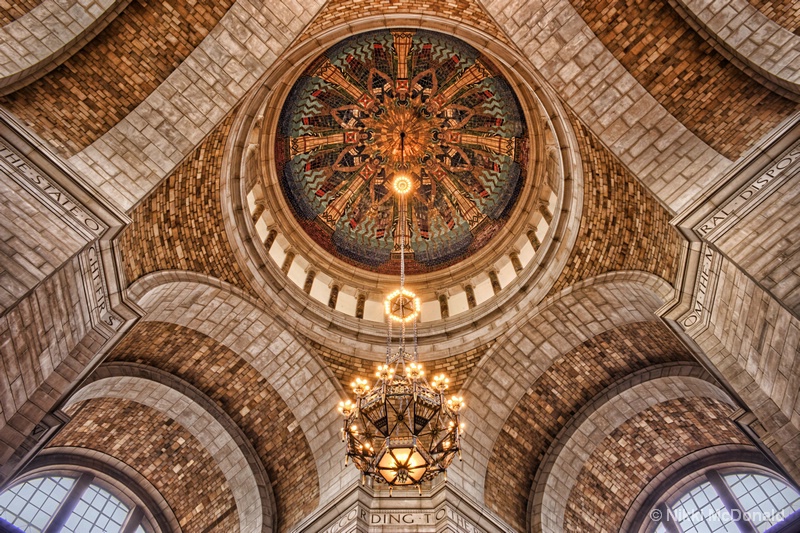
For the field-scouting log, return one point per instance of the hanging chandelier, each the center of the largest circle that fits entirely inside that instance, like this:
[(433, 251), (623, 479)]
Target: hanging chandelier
[(402, 431)]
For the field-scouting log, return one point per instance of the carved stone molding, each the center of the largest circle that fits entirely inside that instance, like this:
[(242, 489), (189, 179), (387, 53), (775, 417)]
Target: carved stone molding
[(364, 510)]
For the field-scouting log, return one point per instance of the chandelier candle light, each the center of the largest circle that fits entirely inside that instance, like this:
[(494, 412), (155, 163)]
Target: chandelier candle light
[(402, 431)]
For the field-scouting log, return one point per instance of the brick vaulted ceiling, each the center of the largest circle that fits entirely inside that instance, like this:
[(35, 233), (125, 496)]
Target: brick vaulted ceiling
[(180, 237)]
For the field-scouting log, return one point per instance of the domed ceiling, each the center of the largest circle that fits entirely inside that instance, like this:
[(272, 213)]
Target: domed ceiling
[(423, 104)]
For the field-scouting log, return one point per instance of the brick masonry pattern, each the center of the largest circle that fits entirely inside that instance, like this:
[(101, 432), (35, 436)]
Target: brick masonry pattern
[(622, 226), (338, 12), (162, 451), (556, 396), (637, 451), (179, 225), (97, 87), (11, 10), (783, 12), (347, 367), (248, 399), (715, 100)]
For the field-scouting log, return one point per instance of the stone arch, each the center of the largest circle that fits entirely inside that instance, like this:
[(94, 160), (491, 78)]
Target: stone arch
[(206, 422), (535, 340), (559, 470), (675, 169), (157, 509), (218, 73), (758, 45), (723, 455), (238, 322), (54, 31)]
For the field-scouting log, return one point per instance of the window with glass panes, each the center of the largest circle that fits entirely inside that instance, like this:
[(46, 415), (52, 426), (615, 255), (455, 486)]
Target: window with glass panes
[(56, 503), (727, 502)]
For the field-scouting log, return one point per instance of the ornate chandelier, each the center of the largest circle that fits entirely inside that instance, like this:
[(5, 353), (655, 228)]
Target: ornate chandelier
[(402, 431)]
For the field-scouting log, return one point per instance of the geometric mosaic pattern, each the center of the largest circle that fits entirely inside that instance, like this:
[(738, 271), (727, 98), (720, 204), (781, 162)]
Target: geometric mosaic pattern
[(415, 101)]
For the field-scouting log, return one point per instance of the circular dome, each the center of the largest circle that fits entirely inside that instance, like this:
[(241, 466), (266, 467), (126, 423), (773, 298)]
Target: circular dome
[(401, 127)]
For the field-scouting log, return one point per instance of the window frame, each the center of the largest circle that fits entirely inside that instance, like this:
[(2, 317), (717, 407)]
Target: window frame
[(84, 478), (688, 478)]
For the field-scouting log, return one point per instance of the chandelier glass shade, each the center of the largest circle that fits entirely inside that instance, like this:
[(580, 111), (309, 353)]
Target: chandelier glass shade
[(402, 431)]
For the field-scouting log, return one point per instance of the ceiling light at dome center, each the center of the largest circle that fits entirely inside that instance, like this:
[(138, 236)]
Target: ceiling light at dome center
[(402, 431)]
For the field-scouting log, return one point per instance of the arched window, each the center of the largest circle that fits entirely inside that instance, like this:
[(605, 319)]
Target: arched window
[(730, 500), (74, 502)]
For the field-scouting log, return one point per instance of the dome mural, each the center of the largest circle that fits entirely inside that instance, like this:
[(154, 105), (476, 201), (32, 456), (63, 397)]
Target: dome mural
[(419, 104)]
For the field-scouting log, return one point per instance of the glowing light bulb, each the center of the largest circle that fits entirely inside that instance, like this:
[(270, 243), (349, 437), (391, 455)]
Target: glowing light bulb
[(346, 408), (455, 403), (402, 184), (440, 382), (360, 386), (384, 372), (415, 371)]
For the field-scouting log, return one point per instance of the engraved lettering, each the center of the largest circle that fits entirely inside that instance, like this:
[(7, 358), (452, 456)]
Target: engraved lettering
[(750, 192), (51, 191)]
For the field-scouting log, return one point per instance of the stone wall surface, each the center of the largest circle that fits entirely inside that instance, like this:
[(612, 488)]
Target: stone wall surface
[(11, 10), (210, 425), (622, 226), (34, 241), (347, 367), (519, 358), (755, 44), (130, 158), (637, 451), (42, 39), (108, 78), (161, 450), (672, 161), (338, 12), (754, 342), (569, 383), (765, 246), (783, 12), (675, 65), (245, 396), (179, 225)]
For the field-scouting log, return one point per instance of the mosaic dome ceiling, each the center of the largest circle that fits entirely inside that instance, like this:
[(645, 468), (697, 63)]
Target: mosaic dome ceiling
[(419, 103)]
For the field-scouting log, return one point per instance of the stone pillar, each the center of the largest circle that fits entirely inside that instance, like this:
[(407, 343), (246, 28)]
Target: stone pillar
[(287, 262), (470, 290), (258, 211), (334, 297), (362, 299), (443, 306), (60, 317), (545, 211), (309, 281), (495, 282), (534, 239), (728, 301), (270, 239), (515, 262)]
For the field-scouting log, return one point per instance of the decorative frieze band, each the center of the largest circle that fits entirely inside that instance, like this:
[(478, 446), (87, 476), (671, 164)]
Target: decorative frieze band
[(97, 291), (698, 316), (358, 517), (444, 509), (49, 193), (752, 194)]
